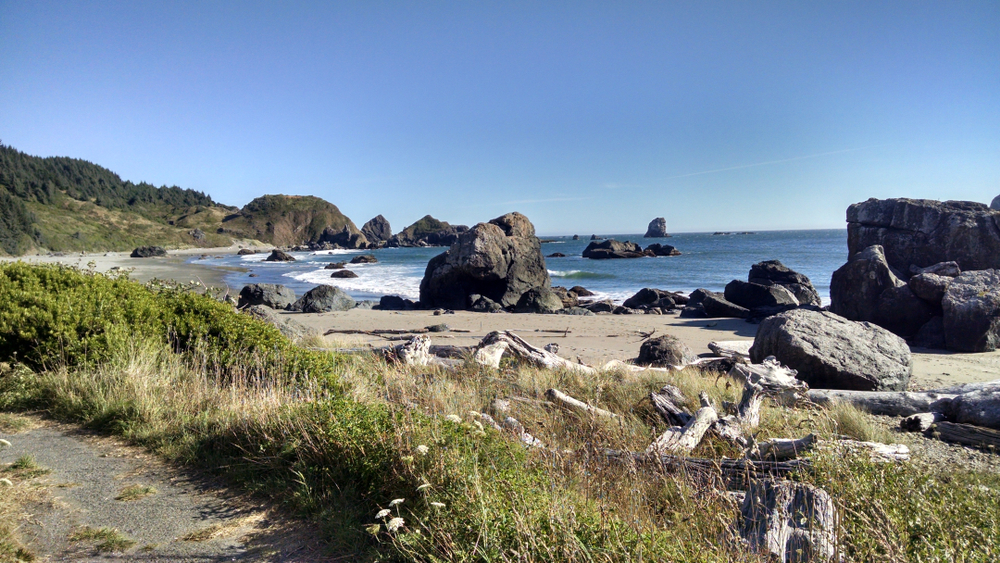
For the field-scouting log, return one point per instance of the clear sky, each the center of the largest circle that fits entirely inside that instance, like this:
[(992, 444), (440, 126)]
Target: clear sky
[(587, 117)]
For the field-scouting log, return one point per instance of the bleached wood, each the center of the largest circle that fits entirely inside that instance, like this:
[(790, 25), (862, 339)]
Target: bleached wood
[(773, 378), (790, 521), (891, 403), (920, 422), (495, 344), (966, 434), (558, 397), (669, 402), (683, 439), (782, 449), (416, 352), (734, 349)]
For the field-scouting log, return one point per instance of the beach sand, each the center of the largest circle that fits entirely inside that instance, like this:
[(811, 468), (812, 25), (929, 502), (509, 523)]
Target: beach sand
[(593, 339)]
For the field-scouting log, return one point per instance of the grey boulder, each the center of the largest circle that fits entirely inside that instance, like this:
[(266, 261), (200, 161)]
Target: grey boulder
[(377, 229), (901, 312), (279, 256), (856, 286), (972, 312), (539, 300), (831, 352), (288, 327), (271, 295), (657, 249), (664, 351), (148, 252), (715, 305), (323, 299), (929, 287), (649, 297), (753, 295), (612, 248), (773, 272), (931, 335)]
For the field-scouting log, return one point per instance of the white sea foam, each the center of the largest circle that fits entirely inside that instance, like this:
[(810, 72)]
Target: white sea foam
[(373, 279), (336, 251)]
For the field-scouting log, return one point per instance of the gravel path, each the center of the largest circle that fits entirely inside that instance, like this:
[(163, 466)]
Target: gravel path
[(188, 518)]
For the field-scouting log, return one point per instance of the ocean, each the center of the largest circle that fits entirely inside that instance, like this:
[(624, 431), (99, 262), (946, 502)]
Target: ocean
[(707, 260)]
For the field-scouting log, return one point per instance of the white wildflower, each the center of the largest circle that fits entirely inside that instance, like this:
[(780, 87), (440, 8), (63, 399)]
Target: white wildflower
[(422, 449), (6, 482), (396, 501), (4, 444), (454, 418), (424, 486), (394, 524), (437, 504), (383, 513)]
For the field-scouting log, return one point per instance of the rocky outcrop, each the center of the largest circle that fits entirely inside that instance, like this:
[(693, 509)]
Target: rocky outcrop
[(856, 286), (922, 232), (428, 231), (715, 305), (773, 272), (343, 238), (285, 220), (831, 352), (581, 291), (754, 295), (377, 230), (197, 234), (657, 249), (323, 299), (971, 308), (649, 298), (364, 259), (279, 256), (148, 252), (343, 274), (271, 295), (246, 252), (664, 351), (657, 228), (568, 297), (500, 260), (335, 266), (539, 300), (612, 248), (995, 204), (396, 303)]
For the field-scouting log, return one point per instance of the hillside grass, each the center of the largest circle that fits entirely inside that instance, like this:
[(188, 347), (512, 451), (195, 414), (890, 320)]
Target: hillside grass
[(342, 441)]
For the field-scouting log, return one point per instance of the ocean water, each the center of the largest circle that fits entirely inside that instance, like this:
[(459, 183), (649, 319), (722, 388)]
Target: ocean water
[(707, 260)]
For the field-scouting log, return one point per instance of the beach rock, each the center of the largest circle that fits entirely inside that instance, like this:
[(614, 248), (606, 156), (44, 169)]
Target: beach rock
[(695, 311), (246, 252), (335, 266), (995, 204), (929, 287), (581, 291), (831, 352), (901, 312), (857, 285), (612, 248), (539, 300), (922, 232), (148, 252), (758, 314), (568, 298), (773, 272), (697, 296), (657, 228), (946, 269), (931, 335), (556, 255), (197, 234), (364, 259), (657, 249), (752, 295), (290, 328), (649, 297), (971, 307), (482, 304), (605, 306), (715, 305), (279, 256), (323, 299), (501, 260), (377, 229), (347, 237), (272, 295), (664, 351), (395, 303), (343, 274), (579, 311)]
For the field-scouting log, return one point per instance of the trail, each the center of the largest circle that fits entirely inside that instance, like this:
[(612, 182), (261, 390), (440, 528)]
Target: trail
[(189, 518)]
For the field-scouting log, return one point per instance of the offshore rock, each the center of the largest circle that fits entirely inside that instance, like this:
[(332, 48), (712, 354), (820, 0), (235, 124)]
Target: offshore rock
[(377, 229), (612, 248), (972, 312), (657, 228), (279, 256), (657, 249)]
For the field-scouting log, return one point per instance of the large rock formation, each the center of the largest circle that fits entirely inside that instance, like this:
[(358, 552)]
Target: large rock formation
[(279, 256), (831, 352), (857, 285), (612, 248), (922, 232), (773, 272), (284, 220), (657, 228), (657, 249), (428, 231), (500, 260), (377, 230), (272, 295), (344, 238), (148, 252), (323, 299), (972, 312), (754, 295)]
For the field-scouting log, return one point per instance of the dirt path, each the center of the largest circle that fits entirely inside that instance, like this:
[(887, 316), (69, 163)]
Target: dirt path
[(187, 518)]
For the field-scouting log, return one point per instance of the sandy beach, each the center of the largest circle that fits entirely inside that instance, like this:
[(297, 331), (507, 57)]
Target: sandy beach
[(593, 339)]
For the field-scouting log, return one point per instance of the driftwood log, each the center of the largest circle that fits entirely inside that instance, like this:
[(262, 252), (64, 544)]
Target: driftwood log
[(785, 449), (733, 349), (891, 403), (495, 344), (773, 378), (790, 521), (738, 472), (683, 439), (966, 434), (559, 398), (669, 403), (920, 422)]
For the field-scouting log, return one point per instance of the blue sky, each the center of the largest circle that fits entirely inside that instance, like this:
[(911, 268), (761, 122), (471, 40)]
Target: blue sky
[(587, 117)]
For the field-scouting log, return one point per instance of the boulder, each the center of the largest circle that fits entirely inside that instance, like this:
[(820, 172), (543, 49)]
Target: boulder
[(657, 249), (857, 285), (773, 272), (292, 330), (649, 297), (605, 306), (664, 351), (323, 299), (428, 231), (197, 234), (931, 335), (539, 300), (695, 311), (753, 295), (148, 252), (279, 256), (901, 312), (946, 269), (657, 228), (377, 229), (922, 232), (343, 238), (698, 296), (335, 266), (556, 255), (482, 304), (364, 259), (929, 287), (972, 312), (612, 248), (271, 295), (578, 311), (568, 298), (831, 352), (246, 251), (576, 237), (500, 260), (343, 274), (715, 305), (581, 291), (396, 303)]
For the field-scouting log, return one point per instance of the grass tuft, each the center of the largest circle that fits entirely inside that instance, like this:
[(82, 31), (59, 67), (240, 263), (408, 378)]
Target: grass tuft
[(106, 539), (135, 492)]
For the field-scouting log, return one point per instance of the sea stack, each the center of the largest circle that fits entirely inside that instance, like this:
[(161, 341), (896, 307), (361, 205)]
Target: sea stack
[(657, 228), (996, 203)]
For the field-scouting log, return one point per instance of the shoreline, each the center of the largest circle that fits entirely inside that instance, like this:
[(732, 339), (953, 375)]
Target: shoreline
[(594, 339)]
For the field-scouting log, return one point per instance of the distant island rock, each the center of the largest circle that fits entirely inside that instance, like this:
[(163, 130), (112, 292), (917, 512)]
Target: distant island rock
[(377, 230), (657, 228), (427, 231), (612, 248), (279, 256), (286, 220)]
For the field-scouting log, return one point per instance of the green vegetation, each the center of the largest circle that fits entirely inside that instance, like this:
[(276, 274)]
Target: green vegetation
[(424, 226), (392, 465), (135, 492), (107, 539), (287, 220)]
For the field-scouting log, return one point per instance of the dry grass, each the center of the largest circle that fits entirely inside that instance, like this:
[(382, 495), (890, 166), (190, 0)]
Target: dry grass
[(135, 492), (11, 423), (105, 539)]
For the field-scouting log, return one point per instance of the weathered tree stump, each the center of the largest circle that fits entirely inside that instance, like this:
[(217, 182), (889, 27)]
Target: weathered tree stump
[(791, 521)]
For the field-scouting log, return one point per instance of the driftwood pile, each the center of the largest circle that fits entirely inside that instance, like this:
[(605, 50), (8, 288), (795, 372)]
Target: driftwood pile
[(792, 521)]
